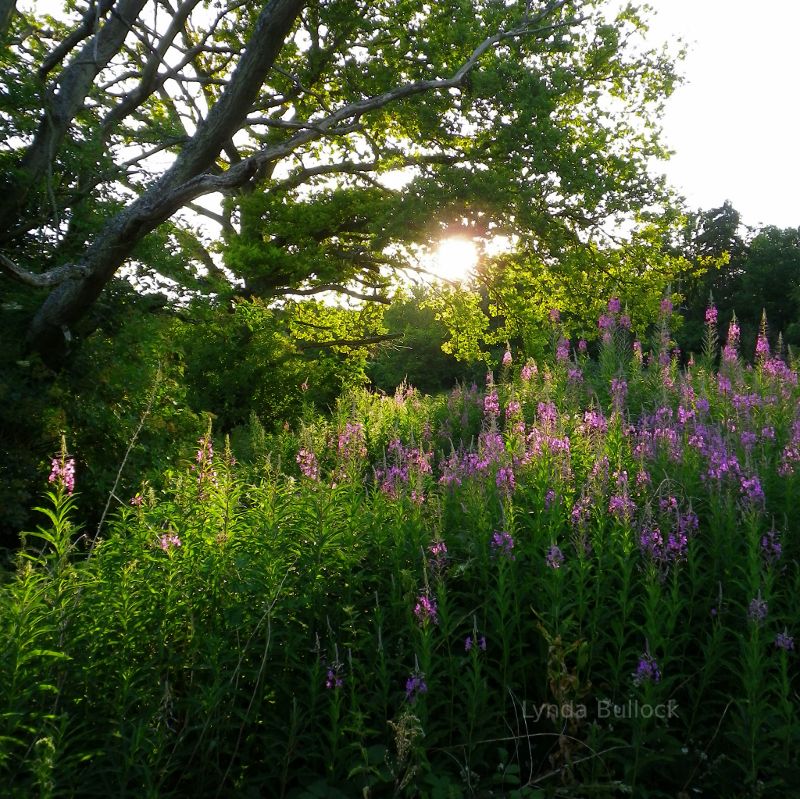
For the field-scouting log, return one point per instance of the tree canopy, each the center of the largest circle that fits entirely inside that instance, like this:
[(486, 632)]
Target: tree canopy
[(752, 272), (280, 126)]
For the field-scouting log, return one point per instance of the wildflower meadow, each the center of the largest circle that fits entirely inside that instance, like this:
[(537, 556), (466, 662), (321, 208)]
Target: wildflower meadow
[(578, 579)]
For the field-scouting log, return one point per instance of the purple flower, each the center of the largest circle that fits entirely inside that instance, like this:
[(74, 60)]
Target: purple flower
[(666, 306), (771, 549), (791, 452), (415, 685), (547, 413), (762, 347), (491, 404), (502, 545), (757, 610), (619, 390), (168, 541), (554, 315), (731, 350), (426, 610), (574, 374), (549, 498), (625, 322), (438, 550), (605, 322), (622, 507), (507, 358), (205, 461), (505, 480), (469, 642), (562, 350), (647, 670), (528, 371), (651, 543), (784, 641), (752, 492), (137, 501), (581, 511), (711, 315), (351, 441), (677, 546), (333, 679), (614, 305), (688, 522), (594, 421), (62, 473), (307, 461), (582, 346), (748, 439), (777, 369), (555, 557)]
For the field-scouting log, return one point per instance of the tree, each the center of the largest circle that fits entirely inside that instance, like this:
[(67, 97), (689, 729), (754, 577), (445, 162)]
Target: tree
[(417, 358), (748, 272), (513, 297), (713, 244), (533, 119), (770, 283)]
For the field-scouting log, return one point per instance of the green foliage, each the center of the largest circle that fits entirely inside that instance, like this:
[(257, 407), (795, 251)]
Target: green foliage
[(512, 297), (417, 358), (144, 383), (548, 139), (259, 627)]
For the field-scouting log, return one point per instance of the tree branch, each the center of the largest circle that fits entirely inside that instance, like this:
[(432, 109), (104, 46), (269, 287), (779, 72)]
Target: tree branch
[(335, 287), (150, 79), (201, 210), (52, 277), (345, 342), (68, 96), (91, 19), (239, 174)]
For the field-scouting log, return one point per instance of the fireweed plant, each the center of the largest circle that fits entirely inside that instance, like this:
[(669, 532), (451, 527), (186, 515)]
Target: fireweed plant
[(579, 579)]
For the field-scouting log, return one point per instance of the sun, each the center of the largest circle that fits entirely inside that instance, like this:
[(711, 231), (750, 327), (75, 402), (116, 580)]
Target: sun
[(455, 258)]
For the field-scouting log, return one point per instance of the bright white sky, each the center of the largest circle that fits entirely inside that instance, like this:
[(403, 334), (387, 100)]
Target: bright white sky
[(735, 124)]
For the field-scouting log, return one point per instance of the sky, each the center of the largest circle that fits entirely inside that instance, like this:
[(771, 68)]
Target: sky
[(735, 123)]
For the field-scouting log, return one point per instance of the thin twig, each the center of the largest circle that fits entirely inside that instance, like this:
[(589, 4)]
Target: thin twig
[(112, 493)]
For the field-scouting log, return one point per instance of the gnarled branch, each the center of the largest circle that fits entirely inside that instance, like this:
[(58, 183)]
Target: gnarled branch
[(348, 342), (53, 277)]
